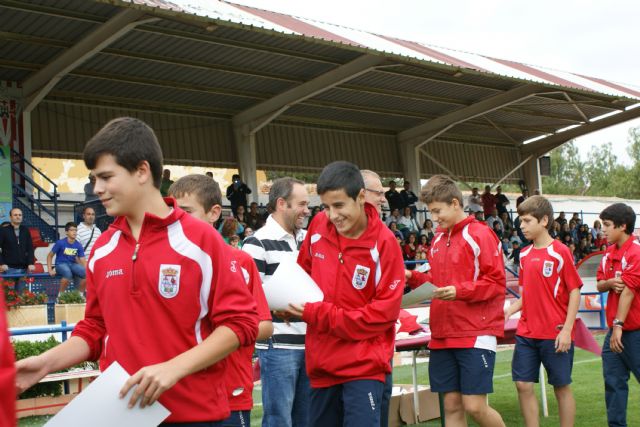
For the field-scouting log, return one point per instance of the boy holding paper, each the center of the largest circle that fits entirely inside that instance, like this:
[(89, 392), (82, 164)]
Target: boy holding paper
[(550, 299), (356, 262), (467, 312), (164, 298), (200, 196)]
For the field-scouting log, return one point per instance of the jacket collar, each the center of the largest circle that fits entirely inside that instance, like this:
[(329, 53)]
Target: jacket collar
[(618, 253), (150, 221), (459, 226)]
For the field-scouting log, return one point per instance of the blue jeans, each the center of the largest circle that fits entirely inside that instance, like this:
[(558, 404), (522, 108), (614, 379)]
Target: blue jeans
[(285, 387), (616, 368), (19, 284), (351, 404)]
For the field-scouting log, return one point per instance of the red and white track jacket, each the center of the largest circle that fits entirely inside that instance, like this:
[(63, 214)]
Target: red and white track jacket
[(151, 300), (350, 335)]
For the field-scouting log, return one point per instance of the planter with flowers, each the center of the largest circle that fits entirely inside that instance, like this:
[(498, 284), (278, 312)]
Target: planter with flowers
[(25, 308), (70, 307)]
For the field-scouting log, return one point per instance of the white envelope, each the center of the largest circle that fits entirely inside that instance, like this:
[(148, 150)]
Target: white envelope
[(99, 405), (290, 284)]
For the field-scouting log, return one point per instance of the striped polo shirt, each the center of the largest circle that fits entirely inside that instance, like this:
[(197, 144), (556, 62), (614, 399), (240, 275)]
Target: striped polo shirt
[(268, 246)]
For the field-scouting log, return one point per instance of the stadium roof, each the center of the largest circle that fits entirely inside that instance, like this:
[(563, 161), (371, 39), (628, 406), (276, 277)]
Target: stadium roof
[(228, 85)]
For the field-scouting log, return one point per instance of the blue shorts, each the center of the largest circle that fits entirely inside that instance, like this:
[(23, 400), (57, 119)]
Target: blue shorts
[(466, 370), (354, 403), (528, 355), (69, 270)]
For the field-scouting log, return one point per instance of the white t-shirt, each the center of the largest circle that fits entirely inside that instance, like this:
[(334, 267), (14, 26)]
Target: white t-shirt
[(84, 234)]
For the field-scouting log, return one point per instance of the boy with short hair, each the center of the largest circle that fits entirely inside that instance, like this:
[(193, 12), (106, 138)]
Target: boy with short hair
[(70, 259), (200, 196), (165, 300), (467, 314), (619, 274), (356, 262), (549, 303)]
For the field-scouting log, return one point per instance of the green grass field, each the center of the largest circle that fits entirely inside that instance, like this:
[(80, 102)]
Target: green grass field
[(588, 388)]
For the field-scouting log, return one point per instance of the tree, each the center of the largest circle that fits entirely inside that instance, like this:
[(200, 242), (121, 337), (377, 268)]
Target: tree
[(567, 171)]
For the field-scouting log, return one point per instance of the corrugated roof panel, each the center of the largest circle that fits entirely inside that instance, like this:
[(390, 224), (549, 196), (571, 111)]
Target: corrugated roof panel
[(11, 74), (25, 52), (337, 115), (43, 25), (471, 162), (279, 146), (253, 85), (63, 130)]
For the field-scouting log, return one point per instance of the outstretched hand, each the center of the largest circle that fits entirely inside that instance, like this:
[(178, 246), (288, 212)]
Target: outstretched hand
[(29, 372), (150, 381)]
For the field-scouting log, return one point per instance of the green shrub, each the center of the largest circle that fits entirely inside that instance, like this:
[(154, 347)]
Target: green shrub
[(24, 349), (71, 297)]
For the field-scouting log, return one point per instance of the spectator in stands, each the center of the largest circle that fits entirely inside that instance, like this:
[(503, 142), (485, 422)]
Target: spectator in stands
[(237, 193), (574, 253), (315, 211), (241, 216), (493, 217), (409, 250), (474, 201), (583, 231), (409, 198), (234, 241), (393, 226), (88, 189), (17, 247), (165, 183), (567, 240), (407, 223), (514, 237), (489, 201), (254, 218), (230, 227), (70, 259), (497, 228), (564, 230), (555, 230), (423, 243), (576, 218), (88, 231), (525, 195), (601, 241), (515, 254), (427, 230), (584, 248), (502, 202), (573, 230), (393, 197), (248, 232), (562, 220), (394, 217), (597, 228), (506, 222), (591, 243)]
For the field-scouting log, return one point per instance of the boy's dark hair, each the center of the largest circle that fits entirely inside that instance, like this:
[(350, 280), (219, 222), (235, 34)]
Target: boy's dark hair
[(281, 189), (620, 214), (205, 189), (538, 207), (69, 225), (441, 188), (340, 175), (130, 141)]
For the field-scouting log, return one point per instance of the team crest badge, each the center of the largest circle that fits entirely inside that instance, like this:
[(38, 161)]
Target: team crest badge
[(169, 282), (360, 277), (547, 269)]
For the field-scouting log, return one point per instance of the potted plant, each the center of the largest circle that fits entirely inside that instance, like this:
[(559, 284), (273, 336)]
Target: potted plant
[(25, 308), (70, 307)]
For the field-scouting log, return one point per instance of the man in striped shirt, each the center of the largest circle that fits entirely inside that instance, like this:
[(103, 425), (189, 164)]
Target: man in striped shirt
[(88, 231), (285, 385)]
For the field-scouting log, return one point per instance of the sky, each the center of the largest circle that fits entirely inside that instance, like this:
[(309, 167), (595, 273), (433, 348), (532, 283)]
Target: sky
[(590, 37)]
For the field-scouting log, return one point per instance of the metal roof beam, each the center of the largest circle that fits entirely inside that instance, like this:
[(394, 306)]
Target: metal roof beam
[(40, 84), (420, 134), (261, 114), (547, 144)]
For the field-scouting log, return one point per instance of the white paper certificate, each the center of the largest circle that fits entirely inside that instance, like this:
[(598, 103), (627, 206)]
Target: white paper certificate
[(420, 294), (99, 405), (290, 284)]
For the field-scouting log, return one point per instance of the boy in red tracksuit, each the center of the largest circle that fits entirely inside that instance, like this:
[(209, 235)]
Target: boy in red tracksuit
[(467, 312), (550, 300), (619, 274), (165, 299), (357, 263), (7, 373), (200, 196)]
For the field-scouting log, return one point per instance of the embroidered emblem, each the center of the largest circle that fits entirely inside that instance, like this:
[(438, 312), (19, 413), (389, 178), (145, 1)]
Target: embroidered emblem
[(169, 281), (547, 268), (360, 276)]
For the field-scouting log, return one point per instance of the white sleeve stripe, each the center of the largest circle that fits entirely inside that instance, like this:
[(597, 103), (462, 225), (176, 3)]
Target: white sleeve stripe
[(476, 251), (182, 245), (105, 250), (557, 256), (376, 258)]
